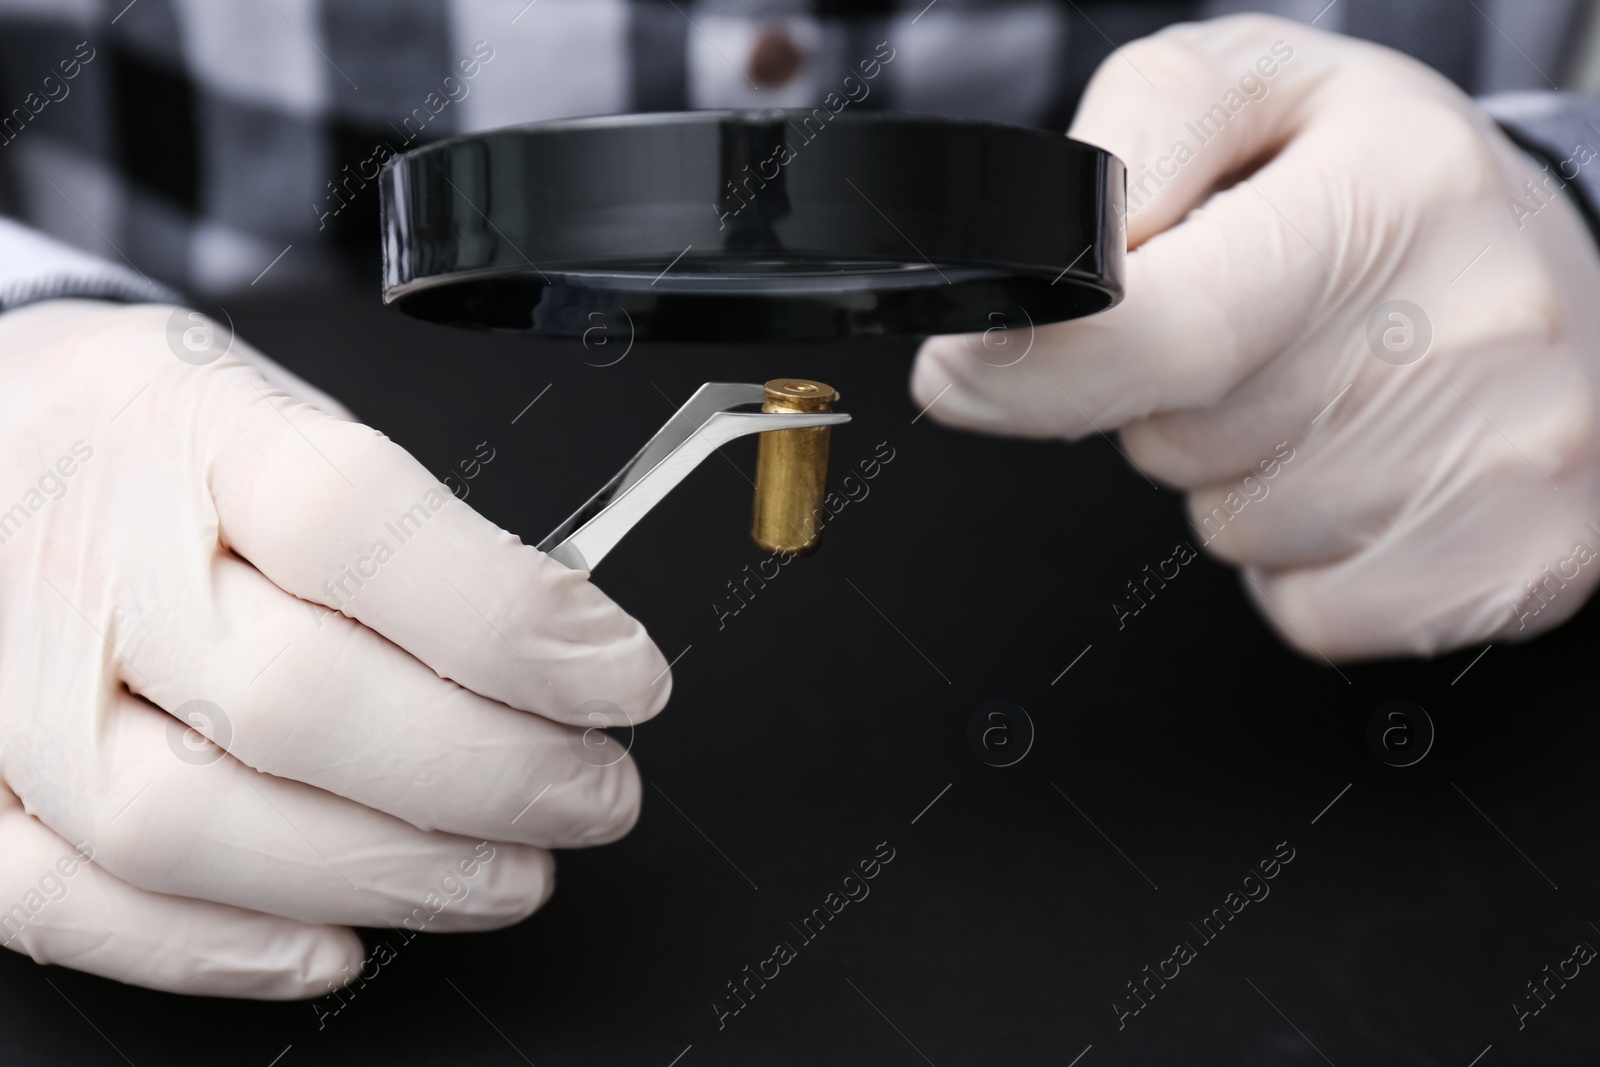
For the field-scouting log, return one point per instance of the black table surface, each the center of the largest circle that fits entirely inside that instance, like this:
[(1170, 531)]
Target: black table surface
[(832, 719)]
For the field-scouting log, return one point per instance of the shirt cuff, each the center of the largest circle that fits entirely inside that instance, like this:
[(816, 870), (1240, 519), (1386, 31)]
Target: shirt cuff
[(34, 267), (1561, 130)]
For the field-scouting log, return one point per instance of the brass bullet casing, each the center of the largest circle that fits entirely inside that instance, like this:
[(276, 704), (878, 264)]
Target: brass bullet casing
[(792, 470)]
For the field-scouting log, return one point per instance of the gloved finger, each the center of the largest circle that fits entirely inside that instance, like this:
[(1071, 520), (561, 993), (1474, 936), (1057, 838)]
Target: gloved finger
[(1191, 448), (1208, 303), (304, 693), (1141, 105), (1294, 520), (1412, 614), (283, 379), (336, 513), (1303, 502), (200, 824), (1296, 235), (1377, 601), (216, 339), (62, 908), (1314, 498), (1188, 106), (1309, 505), (1333, 374)]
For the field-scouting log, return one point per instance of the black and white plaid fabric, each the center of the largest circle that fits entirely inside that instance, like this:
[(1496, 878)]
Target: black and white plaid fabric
[(210, 144)]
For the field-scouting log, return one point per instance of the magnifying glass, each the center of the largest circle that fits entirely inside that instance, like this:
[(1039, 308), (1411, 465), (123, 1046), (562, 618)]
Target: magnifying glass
[(769, 226)]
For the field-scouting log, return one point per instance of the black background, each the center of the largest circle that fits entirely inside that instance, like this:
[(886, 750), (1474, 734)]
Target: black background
[(824, 718)]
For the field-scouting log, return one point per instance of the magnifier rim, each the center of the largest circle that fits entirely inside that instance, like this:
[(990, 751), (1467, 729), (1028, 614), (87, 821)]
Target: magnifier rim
[(881, 224)]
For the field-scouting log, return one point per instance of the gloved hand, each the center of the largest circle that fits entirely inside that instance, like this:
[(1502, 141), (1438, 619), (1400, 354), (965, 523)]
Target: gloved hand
[(1384, 492), (391, 676)]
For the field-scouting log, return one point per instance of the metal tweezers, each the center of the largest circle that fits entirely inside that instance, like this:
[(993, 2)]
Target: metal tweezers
[(704, 424)]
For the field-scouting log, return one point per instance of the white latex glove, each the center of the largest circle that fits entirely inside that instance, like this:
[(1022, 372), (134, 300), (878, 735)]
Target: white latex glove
[(405, 758), (1415, 512)]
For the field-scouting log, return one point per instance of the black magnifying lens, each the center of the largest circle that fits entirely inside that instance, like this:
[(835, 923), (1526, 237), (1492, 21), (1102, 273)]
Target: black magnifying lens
[(754, 226)]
